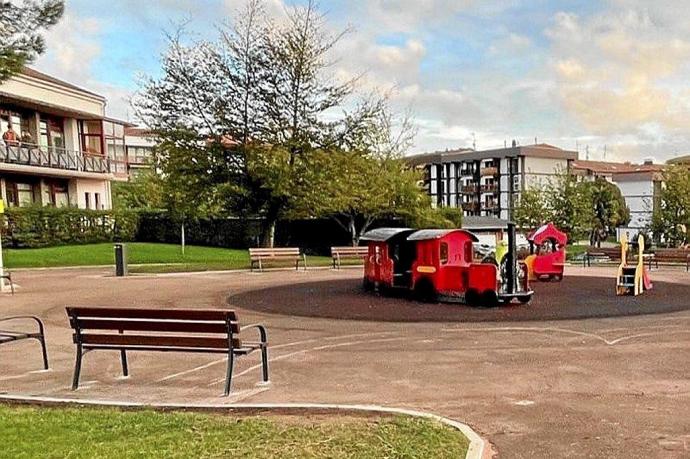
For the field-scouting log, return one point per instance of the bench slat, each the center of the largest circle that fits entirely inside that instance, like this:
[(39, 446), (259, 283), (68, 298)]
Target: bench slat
[(165, 314), (157, 341), (163, 326)]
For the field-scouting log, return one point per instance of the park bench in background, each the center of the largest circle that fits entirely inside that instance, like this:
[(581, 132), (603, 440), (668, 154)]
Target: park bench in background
[(167, 330), (339, 253), (8, 336), (595, 253), (258, 256), (672, 256)]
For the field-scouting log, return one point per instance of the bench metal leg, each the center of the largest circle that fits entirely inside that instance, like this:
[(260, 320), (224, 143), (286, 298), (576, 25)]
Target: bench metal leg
[(77, 368), (264, 362), (123, 358), (228, 375)]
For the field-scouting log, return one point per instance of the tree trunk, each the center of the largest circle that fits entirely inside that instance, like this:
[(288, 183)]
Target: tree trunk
[(354, 239), (268, 231)]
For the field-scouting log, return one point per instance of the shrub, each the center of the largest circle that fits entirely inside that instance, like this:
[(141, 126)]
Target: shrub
[(48, 226)]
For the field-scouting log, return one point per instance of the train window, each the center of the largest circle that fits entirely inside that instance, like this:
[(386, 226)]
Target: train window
[(444, 253), (469, 250)]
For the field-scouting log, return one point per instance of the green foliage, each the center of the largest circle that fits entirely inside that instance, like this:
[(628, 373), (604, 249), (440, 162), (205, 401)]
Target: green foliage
[(671, 217), (608, 209), (531, 210), (144, 191), (21, 25), (109, 433), (46, 226), (569, 204)]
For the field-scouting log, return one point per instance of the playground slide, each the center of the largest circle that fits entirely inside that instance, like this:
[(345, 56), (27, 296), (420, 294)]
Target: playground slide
[(646, 280)]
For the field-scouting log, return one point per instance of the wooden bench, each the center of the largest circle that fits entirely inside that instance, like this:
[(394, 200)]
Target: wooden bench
[(167, 330), (592, 253), (672, 256), (259, 255), (339, 253), (9, 336)]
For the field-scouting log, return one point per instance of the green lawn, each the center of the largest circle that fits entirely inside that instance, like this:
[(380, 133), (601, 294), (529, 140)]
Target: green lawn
[(29, 432), (150, 256)]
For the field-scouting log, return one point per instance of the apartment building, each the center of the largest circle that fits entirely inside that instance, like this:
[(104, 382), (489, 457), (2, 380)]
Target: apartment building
[(139, 143), (62, 150), (489, 182)]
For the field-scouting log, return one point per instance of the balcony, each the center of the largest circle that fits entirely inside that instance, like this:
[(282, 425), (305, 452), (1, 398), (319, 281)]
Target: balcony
[(488, 171), (470, 206), (52, 157), (468, 189), (489, 188), (490, 206)]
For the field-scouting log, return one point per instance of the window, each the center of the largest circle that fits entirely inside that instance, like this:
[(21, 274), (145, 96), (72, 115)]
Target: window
[(91, 133), (56, 193), (516, 183), (444, 253), (87, 200), (97, 200)]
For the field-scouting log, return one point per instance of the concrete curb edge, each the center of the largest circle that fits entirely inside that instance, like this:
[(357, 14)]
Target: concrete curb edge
[(475, 450)]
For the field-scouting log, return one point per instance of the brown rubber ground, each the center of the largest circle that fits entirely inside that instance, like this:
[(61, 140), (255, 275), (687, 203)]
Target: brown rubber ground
[(573, 298)]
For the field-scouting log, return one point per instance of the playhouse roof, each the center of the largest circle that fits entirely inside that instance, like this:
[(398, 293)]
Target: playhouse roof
[(383, 234), (548, 231), (424, 235)]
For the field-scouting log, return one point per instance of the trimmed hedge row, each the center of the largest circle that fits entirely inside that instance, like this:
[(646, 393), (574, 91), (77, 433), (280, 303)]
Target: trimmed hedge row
[(48, 226)]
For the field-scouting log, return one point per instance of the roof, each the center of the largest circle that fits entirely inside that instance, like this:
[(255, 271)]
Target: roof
[(603, 167), (427, 234), (679, 160), (138, 132), (540, 150), (483, 223), (33, 73), (383, 234), (548, 231)]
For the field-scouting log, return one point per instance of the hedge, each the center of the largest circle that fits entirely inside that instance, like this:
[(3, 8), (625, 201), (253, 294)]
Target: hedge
[(48, 226)]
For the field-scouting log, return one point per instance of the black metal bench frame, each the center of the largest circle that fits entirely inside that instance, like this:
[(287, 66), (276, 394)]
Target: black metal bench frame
[(9, 336), (183, 321)]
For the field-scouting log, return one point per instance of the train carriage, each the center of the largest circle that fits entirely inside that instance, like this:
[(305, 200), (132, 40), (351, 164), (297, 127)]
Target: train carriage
[(547, 253), (438, 264)]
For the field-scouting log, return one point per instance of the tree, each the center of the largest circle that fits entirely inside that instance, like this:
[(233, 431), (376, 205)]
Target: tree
[(568, 203), (21, 26), (671, 216), (531, 209), (608, 209), (145, 191), (261, 96)]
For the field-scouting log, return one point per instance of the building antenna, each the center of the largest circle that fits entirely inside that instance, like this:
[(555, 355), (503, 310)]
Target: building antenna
[(587, 152), (577, 146), (505, 143), (604, 151), (535, 139), (474, 141)]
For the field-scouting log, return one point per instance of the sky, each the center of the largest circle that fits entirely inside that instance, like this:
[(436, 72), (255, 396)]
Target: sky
[(605, 77)]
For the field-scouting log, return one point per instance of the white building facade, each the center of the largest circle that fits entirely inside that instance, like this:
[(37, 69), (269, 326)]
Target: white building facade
[(489, 182), (65, 151)]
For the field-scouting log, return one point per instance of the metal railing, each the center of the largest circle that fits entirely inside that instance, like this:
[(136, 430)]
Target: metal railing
[(29, 154)]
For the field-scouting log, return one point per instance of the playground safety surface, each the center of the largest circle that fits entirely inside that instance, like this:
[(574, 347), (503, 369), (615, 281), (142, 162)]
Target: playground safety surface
[(575, 297)]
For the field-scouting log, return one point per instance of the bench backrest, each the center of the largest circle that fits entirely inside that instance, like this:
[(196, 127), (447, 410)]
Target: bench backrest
[(281, 252), (192, 328), (362, 250), (608, 251), (672, 253)]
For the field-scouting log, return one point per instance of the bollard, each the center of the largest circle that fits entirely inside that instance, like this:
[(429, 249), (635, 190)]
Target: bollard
[(120, 260)]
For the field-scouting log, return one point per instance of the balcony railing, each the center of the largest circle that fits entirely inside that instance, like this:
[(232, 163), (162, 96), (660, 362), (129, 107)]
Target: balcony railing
[(489, 188), (470, 206), (488, 171), (469, 188), (59, 158)]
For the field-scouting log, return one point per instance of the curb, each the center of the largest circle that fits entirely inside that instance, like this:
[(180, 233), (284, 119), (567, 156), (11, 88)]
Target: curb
[(475, 450)]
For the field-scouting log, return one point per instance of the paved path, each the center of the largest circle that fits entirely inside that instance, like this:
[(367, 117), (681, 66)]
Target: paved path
[(615, 387)]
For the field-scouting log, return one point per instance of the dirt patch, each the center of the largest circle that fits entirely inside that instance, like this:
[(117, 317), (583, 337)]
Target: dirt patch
[(576, 297)]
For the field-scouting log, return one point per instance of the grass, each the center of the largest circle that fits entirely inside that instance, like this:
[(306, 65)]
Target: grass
[(151, 256), (31, 432)]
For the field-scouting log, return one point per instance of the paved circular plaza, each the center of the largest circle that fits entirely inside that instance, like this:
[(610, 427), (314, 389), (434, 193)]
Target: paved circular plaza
[(608, 381)]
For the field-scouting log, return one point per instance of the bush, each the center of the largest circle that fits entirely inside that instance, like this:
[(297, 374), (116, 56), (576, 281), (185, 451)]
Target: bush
[(48, 226)]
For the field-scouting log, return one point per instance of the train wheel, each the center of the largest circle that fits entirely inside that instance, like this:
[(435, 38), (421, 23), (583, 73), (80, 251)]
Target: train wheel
[(489, 299), (525, 299), (471, 297), (367, 285), (425, 292)]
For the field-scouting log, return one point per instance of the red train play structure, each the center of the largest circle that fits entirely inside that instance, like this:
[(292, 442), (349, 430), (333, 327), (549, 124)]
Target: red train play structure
[(547, 253), (439, 264)]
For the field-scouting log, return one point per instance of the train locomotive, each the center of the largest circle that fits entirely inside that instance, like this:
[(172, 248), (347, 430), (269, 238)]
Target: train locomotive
[(439, 265)]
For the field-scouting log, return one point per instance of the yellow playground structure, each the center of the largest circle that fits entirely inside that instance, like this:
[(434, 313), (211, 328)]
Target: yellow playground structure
[(632, 279)]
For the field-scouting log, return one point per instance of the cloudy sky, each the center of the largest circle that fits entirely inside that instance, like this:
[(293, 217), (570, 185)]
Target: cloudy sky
[(611, 75)]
